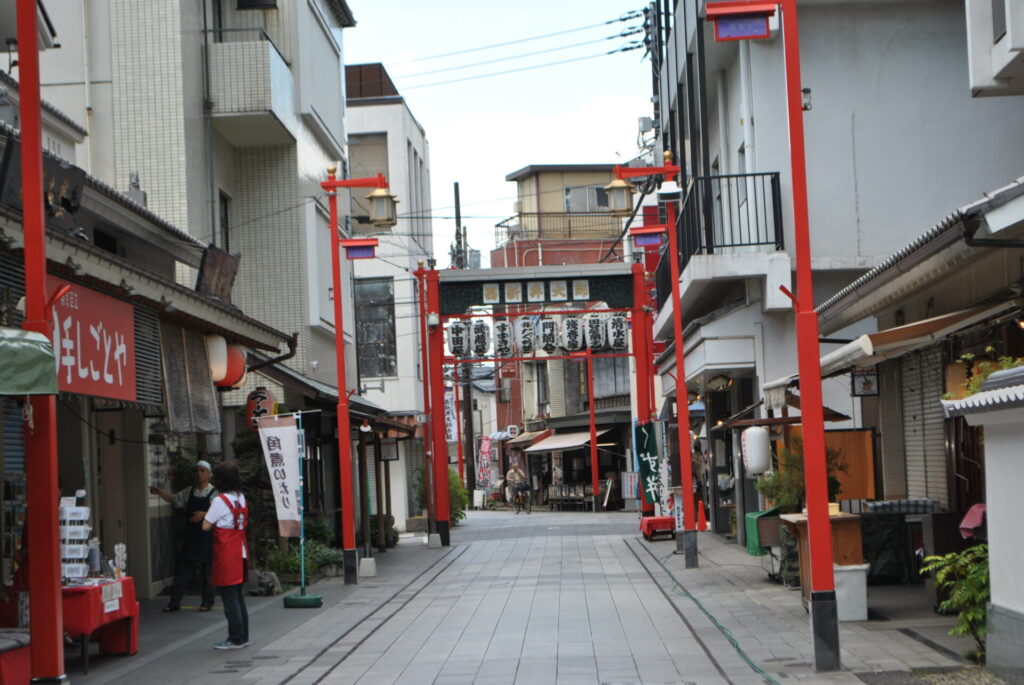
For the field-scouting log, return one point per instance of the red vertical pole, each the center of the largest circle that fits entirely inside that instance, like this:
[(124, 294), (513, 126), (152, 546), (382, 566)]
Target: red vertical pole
[(642, 355), (428, 447), (595, 477), (458, 431), (348, 521), (436, 360), (682, 401), (47, 652), (823, 610)]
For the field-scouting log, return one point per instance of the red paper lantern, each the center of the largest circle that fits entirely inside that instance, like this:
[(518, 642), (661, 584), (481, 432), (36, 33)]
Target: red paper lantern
[(235, 374), (261, 402)]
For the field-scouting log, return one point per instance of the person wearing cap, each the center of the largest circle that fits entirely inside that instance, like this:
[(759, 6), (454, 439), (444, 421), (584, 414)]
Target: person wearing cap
[(197, 545)]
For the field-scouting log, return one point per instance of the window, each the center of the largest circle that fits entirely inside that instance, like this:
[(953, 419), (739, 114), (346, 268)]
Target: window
[(543, 395), (257, 4), (998, 20), (218, 21), (375, 327), (586, 199), (104, 241), (224, 216)]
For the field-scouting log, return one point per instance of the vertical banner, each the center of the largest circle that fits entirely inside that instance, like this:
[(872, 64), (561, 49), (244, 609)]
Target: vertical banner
[(451, 430), (649, 460), (279, 437), (630, 480), (483, 476)]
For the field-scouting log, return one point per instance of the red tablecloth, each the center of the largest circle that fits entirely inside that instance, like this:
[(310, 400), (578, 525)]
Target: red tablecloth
[(106, 612), (649, 525)]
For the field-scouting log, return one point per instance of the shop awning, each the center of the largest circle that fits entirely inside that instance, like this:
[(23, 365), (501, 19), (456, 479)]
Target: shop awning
[(872, 348), (27, 364), (564, 441), (528, 438)]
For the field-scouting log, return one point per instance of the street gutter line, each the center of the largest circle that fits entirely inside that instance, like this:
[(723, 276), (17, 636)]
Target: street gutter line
[(451, 560)]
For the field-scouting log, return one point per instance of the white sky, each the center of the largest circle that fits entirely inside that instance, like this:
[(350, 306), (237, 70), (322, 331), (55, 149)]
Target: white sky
[(481, 130)]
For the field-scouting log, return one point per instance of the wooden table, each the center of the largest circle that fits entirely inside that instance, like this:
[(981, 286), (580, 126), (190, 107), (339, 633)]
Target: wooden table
[(107, 612), (846, 545)]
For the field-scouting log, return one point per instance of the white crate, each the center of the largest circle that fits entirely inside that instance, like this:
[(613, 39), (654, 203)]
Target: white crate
[(74, 570), (74, 514), (75, 532), (74, 551)]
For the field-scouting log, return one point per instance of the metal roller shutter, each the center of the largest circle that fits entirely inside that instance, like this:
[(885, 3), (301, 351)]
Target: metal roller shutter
[(894, 474), (13, 445), (924, 425)]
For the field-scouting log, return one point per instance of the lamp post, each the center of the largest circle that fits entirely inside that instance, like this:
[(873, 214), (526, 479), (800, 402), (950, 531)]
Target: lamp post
[(749, 20), (382, 214), (620, 196), (47, 653)]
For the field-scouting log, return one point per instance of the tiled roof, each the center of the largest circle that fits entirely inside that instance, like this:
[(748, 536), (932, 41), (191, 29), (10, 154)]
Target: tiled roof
[(9, 80), (1002, 390)]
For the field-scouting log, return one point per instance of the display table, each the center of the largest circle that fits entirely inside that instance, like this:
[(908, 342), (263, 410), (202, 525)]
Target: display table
[(107, 613), (652, 526), (846, 545)]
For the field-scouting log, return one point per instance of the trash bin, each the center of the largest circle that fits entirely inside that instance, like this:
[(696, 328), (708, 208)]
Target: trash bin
[(852, 591), (754, 546)]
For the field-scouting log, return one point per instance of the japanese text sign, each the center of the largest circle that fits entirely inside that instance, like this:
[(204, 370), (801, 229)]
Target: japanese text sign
[(450, 418), (94, 342), (279, 437), (649, 461)]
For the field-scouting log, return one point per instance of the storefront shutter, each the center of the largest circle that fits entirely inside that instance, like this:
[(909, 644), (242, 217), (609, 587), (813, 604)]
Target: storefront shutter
[(894, 475), (371, 476), (13, 436), (923, 425)]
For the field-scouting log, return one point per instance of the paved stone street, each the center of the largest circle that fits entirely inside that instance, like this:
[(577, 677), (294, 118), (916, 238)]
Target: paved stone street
[(541, 598)]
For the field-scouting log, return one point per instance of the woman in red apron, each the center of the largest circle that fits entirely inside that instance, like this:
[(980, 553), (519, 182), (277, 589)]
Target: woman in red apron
[(227, 518)]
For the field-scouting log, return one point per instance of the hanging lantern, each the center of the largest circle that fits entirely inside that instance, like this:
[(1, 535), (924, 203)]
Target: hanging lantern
[(594, 330), (757, 450), (549, 335), (481, 337), (217, 356), (617, 332), (261, 402), (620, 197), (234, 374), (458, 345), (526, 334), (572, 333), (383, 212), (502, 339)]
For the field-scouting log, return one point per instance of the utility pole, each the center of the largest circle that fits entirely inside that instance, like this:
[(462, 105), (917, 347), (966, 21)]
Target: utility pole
[(459, 258), (465, 373)]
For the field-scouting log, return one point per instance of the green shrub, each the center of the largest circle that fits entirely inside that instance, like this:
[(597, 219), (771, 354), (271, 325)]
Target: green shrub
[(458, 498), (784, 486), (964, 576)]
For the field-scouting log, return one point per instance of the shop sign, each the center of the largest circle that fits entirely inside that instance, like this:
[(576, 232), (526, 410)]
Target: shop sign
[(279, 437), (260, 402), (450, 416), (94, 342), (650, 461), (864, 382), (483, 477), (630, 481)]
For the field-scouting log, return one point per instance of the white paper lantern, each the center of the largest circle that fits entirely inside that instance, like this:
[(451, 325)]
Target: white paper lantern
[(618, 332), (549, 335), (458, 344), (757, 450), (502, 339), (481, 334), (526, 334), (572, 333), (594, 330)]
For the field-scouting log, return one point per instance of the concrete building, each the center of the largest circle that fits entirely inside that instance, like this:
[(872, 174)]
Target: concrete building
[(893, 140), (384, 137)]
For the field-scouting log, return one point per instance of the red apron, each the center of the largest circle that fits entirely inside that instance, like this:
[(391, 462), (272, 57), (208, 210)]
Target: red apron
[(229, 564)]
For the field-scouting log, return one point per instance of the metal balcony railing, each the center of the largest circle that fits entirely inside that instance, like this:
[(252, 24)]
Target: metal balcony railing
[(735, 213), (557, 225)]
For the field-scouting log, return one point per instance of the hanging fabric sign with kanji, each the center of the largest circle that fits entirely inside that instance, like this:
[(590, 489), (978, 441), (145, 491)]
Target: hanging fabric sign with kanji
[(279, 437), (649, 461)]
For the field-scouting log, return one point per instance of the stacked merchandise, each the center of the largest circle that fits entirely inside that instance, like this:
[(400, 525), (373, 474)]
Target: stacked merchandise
[(74, 541)]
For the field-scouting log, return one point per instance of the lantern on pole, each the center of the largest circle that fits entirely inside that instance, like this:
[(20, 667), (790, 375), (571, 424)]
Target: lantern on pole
[(502, 339), (549, 335), (526, 334), (620, 197), (261, 402), (617, 326), (594, 330), (481, 337), (458, 345), (383, 208), (572, 333)]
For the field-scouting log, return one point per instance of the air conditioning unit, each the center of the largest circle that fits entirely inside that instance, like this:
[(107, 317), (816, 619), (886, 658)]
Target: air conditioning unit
[(512, 431)]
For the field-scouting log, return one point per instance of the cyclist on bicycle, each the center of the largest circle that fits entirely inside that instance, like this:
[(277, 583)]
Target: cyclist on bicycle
[(517, 485)]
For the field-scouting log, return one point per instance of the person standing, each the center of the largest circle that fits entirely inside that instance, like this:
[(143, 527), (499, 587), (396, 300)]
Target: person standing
[(197, 547), (227, 518)]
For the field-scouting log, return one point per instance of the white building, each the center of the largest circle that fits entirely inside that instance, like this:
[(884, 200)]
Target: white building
[(893, 142), (384, 137)]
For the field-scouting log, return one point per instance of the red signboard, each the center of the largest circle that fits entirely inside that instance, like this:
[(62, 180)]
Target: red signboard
[(94, 342)]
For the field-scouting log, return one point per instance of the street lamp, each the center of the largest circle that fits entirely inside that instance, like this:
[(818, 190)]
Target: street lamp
[(620, 197), (686, 540), (382, 214), (749, 20)]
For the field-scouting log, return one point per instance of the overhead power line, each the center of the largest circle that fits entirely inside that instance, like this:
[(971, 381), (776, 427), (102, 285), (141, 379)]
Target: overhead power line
[(634, 45), (627, 16)]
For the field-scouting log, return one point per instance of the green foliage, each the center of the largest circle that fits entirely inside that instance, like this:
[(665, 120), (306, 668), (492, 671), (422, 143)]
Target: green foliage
[(978, 372), (964, 576), (319, 530), (286, 561), (784, 486), (458, 498)]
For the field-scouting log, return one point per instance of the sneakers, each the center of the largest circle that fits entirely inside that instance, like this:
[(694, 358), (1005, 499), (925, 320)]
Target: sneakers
[(228, 644)]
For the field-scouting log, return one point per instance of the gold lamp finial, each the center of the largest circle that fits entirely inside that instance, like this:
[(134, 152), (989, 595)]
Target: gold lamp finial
[(668, 156), (420, 263), (331, 170)]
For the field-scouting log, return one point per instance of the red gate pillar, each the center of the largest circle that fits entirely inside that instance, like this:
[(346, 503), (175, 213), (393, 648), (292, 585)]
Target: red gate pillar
[(642, 355), (435, 354), (428, 495)]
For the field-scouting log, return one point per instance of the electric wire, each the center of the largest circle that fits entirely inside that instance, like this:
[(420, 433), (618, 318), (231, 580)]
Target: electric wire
[(627, 16), (100, 430)]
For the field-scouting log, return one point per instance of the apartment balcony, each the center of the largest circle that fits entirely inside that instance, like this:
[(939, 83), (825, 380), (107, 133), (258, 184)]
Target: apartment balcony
[(557, 226), (729, 228), (252, 89)]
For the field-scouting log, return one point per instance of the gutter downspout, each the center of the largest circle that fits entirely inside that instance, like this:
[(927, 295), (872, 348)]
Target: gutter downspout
[(208, 125), (293, 345), (971, 228), (87, 84)]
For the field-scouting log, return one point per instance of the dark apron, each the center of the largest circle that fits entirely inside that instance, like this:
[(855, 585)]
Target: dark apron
[(197, 547)]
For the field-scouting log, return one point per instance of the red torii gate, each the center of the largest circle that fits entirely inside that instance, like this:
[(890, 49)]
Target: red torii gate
[(448, 294)]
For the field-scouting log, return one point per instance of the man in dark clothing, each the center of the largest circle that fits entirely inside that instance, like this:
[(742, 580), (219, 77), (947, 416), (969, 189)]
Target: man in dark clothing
[(197, 546)]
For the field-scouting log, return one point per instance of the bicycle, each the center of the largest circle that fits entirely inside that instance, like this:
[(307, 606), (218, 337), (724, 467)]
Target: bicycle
[(521, 500)]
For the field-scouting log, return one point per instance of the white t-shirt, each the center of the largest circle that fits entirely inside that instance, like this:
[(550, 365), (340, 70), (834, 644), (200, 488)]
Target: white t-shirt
[(220, 515)]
